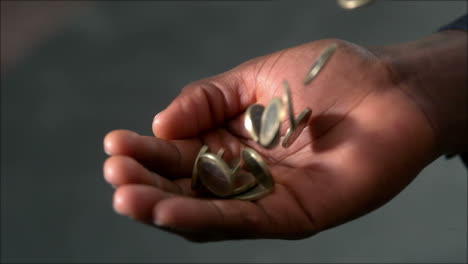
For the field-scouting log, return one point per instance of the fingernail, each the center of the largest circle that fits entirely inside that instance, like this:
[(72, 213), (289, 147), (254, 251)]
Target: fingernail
[(155, 119)]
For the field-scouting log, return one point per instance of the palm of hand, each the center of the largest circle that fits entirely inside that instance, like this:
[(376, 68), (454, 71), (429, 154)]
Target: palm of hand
[(365, 142)]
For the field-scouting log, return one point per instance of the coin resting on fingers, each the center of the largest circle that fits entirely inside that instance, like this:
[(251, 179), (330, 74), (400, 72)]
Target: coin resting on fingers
[(196, 184), (237, 183)]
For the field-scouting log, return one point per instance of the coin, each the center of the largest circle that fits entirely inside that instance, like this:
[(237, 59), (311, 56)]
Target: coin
[(259, 169), (243, 181), (255, 164), (320, 63), (235, 164), (252, 121), (215, 174), (255, 193), (195, 179), (288, 102), (220, 153), (271, 121), (301, 122), (351, 4)]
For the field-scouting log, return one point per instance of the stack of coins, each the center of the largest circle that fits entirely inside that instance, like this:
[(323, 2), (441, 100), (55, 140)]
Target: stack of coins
[(248, 177)]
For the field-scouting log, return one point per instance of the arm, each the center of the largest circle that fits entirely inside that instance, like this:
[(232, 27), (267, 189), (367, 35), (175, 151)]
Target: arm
[(433, 72)]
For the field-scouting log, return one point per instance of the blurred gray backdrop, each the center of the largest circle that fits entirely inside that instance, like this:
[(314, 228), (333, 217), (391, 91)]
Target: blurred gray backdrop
[(72, 71)]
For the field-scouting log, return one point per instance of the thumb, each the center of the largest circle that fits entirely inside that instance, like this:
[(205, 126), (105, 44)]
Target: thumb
[(203, 105)]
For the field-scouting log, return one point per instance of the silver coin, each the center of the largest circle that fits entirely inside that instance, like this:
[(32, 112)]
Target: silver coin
[(259, 169), (255, 164), (220, 153), (253, 119), (235, 165), (352, 4), (255, 193), (293, 133), (288, 102), (271, 121), (215, 175), (195, 179), (320, 63), (243, 181)]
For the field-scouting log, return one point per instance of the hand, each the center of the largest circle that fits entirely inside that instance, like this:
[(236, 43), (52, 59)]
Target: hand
[(367, 139)]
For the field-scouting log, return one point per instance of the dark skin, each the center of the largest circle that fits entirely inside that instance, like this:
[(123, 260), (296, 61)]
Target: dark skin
[(370, 134)]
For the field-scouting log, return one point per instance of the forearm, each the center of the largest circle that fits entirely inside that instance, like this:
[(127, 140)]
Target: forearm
[(433, 72)]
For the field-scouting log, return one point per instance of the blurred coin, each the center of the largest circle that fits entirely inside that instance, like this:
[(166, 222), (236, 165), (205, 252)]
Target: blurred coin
[(320, 63), (253, 118), (288, 102), (243, 181), (352, 4), (301, 122), (220, 153), (271, 121), (255, 164), (195, 179), (255, 193), (235, 165), (215, 174)]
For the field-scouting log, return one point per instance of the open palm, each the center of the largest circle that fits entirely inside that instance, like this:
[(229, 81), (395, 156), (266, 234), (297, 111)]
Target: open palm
[(365, 142)]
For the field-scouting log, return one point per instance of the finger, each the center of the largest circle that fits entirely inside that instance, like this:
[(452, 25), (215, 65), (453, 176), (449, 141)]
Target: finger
[(136, 201), (168, 158), (228, 218), (121, 170), (203, 105)]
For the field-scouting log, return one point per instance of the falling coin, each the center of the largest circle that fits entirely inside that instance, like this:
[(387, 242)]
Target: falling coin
[(301, 122), (320, 63), (253, 118), (215, 174), (195, 179), (352, 4), (271, 121), (288, 102), (259, 169)]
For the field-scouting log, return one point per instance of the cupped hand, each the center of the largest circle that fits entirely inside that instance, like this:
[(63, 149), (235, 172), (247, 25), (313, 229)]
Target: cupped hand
[(366, 140)]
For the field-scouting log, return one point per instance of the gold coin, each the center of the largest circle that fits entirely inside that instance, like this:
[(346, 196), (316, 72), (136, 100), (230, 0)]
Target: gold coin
[(252, 121), (215, 174), (301, 122), (288, 102), (320, 63), (352, 4), (271, 121), (195, 179), (259, 169)]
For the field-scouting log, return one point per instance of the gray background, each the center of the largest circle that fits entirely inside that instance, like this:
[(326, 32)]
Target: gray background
[(73, 71)]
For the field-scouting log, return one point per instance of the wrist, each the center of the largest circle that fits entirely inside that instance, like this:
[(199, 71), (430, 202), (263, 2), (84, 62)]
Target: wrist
[(433, 72)]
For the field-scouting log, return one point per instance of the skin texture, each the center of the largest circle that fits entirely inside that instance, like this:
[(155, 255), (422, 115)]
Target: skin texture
[(367, 139)]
